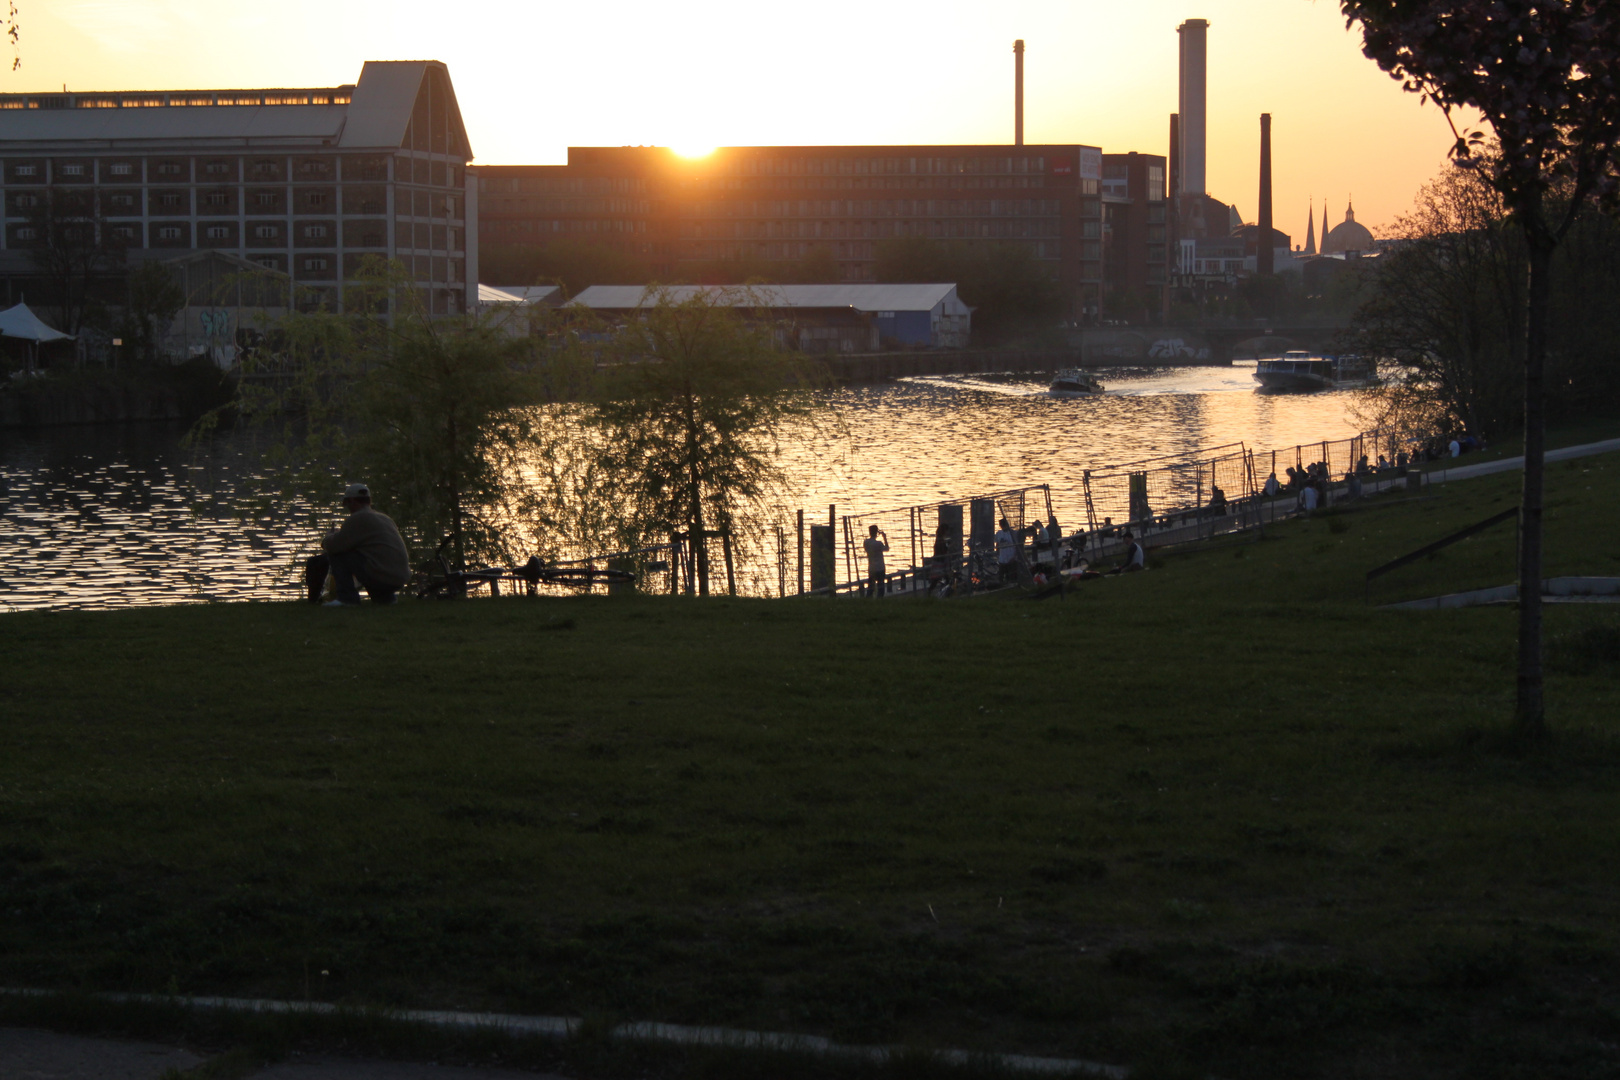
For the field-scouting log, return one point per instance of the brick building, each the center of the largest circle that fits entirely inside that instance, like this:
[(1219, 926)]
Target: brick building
[(1135, 246), (781, 203), (306, 182)]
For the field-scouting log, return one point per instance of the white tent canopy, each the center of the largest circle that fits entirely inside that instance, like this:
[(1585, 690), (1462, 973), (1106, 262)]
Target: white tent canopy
[(21, 322)]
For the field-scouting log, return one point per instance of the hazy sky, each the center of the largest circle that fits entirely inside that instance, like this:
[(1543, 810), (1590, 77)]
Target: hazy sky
[(534, 78)]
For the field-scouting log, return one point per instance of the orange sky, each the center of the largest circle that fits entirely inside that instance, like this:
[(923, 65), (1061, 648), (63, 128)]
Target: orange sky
[(534, 78)]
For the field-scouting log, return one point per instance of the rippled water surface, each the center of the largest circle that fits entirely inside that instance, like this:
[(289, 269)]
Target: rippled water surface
[(102, 516)]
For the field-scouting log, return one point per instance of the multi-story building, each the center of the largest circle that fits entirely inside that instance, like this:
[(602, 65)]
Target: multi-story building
[(782, 203), (1134, 241), (306, 182)]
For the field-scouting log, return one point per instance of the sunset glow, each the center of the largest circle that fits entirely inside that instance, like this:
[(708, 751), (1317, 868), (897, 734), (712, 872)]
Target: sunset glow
[(535, 79)]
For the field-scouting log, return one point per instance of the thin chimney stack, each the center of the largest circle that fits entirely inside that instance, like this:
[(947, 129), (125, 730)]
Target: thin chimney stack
[(1018, 92), (1265, 261)]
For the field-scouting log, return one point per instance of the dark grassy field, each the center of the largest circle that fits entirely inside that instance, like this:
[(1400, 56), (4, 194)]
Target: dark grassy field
[(1222, 816)]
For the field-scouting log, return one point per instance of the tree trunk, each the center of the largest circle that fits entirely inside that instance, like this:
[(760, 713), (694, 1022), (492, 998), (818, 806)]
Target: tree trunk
[(1529, 716), (700, 546)]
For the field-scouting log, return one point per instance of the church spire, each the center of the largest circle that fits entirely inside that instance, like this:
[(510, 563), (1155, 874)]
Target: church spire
[(1310, 229), (1324, 227)]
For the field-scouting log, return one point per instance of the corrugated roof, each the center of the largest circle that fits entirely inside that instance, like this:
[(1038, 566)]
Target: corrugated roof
[(376, 117), (872, 297), (525, 294), (313, 123)]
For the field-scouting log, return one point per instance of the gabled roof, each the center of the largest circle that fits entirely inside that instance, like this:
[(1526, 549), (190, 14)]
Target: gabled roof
[(373, 114), (873, 297)]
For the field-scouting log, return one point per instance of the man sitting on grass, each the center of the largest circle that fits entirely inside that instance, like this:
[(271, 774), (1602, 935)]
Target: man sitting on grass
[(366, 550), (1135, 558)]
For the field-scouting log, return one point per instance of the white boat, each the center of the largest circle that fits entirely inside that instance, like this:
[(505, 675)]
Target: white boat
[(1073, 381), (1300, 370)]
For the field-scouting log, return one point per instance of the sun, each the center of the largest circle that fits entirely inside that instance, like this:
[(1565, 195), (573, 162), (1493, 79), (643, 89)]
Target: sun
[(689, 151)]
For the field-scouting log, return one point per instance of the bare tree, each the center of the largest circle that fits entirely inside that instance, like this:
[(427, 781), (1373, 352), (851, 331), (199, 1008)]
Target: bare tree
[(70, 244)]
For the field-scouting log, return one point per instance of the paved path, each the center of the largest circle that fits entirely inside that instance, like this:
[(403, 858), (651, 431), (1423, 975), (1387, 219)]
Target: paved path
[(45, 1055), (1485, 468)]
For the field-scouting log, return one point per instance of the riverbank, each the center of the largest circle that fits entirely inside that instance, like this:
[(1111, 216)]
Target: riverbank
[(171, 392), (1223, 816)]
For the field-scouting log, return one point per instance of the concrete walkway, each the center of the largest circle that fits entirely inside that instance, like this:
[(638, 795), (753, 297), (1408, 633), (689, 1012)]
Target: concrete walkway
[(1445, 473), (26, 1054)]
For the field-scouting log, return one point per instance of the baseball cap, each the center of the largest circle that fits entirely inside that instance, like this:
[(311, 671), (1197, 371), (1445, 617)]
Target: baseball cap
[(357, 491)]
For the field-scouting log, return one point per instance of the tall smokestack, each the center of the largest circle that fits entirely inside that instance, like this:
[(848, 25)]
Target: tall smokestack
[(1265, 261), (1018, 92), (1194, 70)]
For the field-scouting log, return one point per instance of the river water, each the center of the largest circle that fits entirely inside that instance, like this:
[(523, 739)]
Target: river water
[(102, 517)]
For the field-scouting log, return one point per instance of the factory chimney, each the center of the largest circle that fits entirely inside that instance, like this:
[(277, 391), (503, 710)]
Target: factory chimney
[(1018, 92), (1265, 254), (1194, 70)]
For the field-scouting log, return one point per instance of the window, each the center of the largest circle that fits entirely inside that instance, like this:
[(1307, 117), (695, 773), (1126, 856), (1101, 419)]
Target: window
[(123, 232), (371, 239), (26, 170), (269, 262), (315, 263), (314, 232), (217, 198), (73, 170), (169, 168), (122, 200), (266, 168), (26, 200), (169, 198), (27, 234), (218, 168), (123, 168), (169, 232), (316, 198), (219, 232), (267, 198), (266, 232)]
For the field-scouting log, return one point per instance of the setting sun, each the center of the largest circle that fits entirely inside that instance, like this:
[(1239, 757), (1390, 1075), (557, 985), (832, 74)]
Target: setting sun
[(693, 151)]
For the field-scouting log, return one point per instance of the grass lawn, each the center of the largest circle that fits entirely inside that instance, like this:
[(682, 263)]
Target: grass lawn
[(1224, 816)]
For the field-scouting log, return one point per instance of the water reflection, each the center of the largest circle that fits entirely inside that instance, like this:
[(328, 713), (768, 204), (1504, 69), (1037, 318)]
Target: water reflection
[(100, 517)]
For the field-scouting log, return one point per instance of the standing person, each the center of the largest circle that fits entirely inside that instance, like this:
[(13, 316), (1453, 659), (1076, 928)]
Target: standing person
[(365, 551), (1006, 552), (877, 580), (1307, 499)]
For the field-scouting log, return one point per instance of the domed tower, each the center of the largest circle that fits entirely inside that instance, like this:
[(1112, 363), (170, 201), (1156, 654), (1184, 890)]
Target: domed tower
[(1348, 235)]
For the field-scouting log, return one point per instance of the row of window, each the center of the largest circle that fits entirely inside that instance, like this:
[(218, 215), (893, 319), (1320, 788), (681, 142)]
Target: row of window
[(572, 225), (309, 234), (825, 230), (1042, 249), (897, 183), (138, 100), (566, 206), (130, 170), (877, 166), (836, 208), (356, 199), (564, 185)]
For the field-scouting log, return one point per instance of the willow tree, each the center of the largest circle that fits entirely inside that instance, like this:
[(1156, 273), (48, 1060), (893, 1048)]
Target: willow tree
[(696, 399), (435, 413), (1545, 76)]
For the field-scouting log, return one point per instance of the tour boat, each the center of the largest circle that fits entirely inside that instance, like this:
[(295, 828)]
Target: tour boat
[(1072, 381), (1300, 370)]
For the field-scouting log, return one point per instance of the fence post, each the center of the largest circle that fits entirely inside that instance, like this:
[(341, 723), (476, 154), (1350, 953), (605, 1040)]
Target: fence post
[(801, 551), (725, 546)]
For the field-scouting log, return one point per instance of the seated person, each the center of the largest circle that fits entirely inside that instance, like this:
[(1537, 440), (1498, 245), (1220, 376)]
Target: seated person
[(1135, 558), (366, 551)]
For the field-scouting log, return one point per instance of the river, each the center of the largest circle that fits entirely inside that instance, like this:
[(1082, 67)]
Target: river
[(103, 517)]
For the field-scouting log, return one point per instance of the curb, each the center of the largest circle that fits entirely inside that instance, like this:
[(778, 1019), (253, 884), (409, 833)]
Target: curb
[(561, 1027)]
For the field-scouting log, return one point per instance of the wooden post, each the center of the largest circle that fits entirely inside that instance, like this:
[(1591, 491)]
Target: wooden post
[(801, 551), (832, 531), (731, 575)]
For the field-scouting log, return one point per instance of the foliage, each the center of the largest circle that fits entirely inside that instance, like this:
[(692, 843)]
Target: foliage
[(1009, 289), (1545, 75), (73, 250), (575, 265), (435, 414), (693, 412), (153, 301)]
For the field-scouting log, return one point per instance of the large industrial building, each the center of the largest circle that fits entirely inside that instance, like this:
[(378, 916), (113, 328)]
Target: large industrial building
[(303, 182), (779, 203)]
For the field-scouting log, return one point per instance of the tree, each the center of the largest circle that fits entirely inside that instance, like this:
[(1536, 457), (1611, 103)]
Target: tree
[(73, 249), (1545, 75), (153, 300), (1008, 288), (436, 414), (692, 415)]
